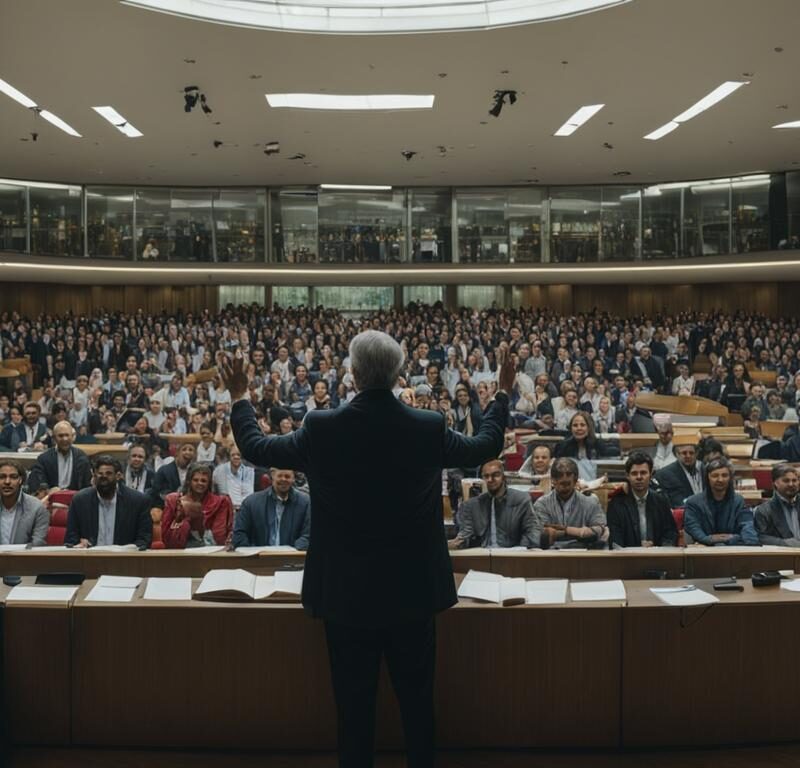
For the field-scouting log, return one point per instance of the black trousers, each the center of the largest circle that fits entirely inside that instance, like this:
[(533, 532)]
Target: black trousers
[(355, 658)]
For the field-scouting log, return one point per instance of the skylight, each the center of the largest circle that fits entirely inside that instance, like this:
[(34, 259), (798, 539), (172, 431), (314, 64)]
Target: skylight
[(354, 17)]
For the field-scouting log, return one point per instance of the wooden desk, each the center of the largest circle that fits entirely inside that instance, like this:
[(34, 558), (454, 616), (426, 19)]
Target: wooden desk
[(272, 687), (742, 562), (37, 655), (709, 675), (615, 564)]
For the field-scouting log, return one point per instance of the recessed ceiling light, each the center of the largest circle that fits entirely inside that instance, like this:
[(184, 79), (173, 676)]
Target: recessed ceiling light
[(118, 121), (351, 102), (792, 124), (29, 103), (708, 101), (362, 187), (578, 119), (377, 16)]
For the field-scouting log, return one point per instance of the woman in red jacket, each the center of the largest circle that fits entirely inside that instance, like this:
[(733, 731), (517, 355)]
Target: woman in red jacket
[(195, 517)]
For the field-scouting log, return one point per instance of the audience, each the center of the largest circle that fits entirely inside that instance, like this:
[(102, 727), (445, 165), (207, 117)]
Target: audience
[(23, 518), (776, 520), (641, 516), (277, 517), (500, 517)]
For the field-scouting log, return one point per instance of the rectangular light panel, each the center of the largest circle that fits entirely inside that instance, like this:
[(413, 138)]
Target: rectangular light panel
[(352, 102), (118, 121), (578, 119)]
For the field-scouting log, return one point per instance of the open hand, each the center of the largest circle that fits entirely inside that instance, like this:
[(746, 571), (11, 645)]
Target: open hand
[(232, 373)]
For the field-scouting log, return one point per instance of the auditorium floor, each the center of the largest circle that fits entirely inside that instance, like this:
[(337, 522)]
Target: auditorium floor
[(773, 756)]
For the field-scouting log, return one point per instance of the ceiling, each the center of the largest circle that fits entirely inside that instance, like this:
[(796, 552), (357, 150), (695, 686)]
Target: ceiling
[(647, 60)]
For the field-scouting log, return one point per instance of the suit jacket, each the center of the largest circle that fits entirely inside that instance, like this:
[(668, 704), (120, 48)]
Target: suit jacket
[(165, 481), (45, 470), (516, 524), (595, 450), (771, 525), (623, 521), (132, 522), (19, 434), (377, 553), (672, 481), (257, 515), (31, 523), (148, 480)]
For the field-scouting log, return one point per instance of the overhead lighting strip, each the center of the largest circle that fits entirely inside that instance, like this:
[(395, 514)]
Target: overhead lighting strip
[(351, 102), (27, 102), (118, 121), (583, 115)]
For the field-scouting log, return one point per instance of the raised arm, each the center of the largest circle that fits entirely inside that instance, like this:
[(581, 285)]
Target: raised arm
[(462, 451)]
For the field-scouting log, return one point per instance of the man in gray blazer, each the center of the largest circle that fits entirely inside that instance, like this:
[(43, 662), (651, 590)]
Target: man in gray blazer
[(23, 518), (501, 517), (279, 516), (776, 520)]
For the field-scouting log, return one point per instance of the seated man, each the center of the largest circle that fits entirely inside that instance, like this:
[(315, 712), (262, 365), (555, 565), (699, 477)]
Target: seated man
[(170, 477), (537, 465), (776, 520), (681, 479), (718, 516), (196, 517), (278, 516), (108, 513), (567, 518), (234, 478), (641, 517), (23, 518), (31, 433), (501, 517), (61, 467), (137, 475)]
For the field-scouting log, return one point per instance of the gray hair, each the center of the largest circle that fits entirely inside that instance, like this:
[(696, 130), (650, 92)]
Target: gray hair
[(376, 359)]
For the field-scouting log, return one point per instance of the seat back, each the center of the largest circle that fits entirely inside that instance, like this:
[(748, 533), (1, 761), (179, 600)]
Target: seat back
[(677, 515), (59, 506)]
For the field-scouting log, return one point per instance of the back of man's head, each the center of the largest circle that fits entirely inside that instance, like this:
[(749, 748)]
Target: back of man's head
[(376, 359)]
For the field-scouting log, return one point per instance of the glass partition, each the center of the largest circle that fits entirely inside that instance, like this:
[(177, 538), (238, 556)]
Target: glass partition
[(661, 222), (482, 226), (706, 218), (291, 295), (239, 224), (362, 226), (423, 294), (240, 294), (430, 225), (480, 296), (152, 224), (354, 299), (293, 214), (56, 220), (109, 222), (524, 213), (750, 213), (574, 224), (793, 209), (620, 209), (190, 222), (13, 218)]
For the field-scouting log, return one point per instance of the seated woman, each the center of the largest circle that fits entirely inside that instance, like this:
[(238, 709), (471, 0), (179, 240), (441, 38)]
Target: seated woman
[(582, 442), (194, 516), (605, 420)]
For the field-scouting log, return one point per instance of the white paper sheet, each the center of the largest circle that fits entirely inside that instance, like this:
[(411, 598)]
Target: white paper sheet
[(791, 586), (290, 582), (547, 591), (589, 591), (168, 589), (248, 551), (684, 597), (12, 547), (199, 550), (224, 579), (113, 548), (265, 586), (20, 594), (119, 582), (480, 585), (101, 594)]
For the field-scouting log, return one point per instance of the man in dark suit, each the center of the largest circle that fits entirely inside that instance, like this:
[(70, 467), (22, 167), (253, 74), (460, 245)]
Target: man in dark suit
[(683, 478), (31, 433), (108, 513), (279, 516), (378, 568), (62, 467), (777, 520), (642, 517), (137, 476), (170, 477), (650, 368)]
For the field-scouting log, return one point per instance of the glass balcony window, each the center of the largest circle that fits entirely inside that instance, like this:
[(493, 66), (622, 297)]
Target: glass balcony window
[(13, 218), (109, 222)]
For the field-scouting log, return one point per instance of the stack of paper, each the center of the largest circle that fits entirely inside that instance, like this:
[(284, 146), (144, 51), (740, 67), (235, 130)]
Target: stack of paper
[(493, 588), (114, 589), (684, 596), (168, 589), (20, 594), (546, 591), (590, 591)]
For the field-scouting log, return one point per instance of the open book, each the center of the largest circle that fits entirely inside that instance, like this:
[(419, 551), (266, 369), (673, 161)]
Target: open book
[(493, 588), (238, 585)]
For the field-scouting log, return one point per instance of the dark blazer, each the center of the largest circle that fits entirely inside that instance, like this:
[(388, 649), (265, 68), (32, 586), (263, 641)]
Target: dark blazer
[(148, 480), (596, 449), (132, 523), (771, 525), (45, 470), (165, 481), (257, 513), (19, 434), (377, 553), (623, 521), (672, 481)]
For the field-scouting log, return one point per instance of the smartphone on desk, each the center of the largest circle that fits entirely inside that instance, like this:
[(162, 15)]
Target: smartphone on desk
[(728, 585)]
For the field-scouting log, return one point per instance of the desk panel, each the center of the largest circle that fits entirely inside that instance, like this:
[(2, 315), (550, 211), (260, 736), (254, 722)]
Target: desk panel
[(742, 562), (709, 675)]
